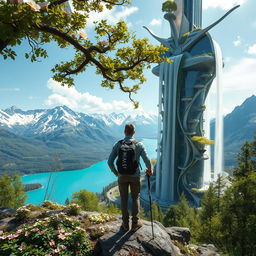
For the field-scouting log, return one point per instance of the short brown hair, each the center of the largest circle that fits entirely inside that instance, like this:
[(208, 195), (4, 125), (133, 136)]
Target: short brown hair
[(129, 129)]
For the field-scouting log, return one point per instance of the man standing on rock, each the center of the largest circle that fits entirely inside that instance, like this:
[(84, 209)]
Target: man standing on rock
[(128, 152)]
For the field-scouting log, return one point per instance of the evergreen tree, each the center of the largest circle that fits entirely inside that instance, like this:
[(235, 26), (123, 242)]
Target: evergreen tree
[(19, 195), (238, 216), (209, 217), (12, 193), (181, 215), (238, 211), (67, 201), (7, 193), (245, 162), (87, 200), (157, 212)]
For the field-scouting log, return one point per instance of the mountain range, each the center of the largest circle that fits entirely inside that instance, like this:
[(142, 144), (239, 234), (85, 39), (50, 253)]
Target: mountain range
[(60, 138), (33, 140), (239, 127)]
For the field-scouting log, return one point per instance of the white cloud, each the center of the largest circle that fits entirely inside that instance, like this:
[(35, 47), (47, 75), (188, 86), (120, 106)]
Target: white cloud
[(252, 49), (241, 76), (85, 102), (223, 4), (112, 16), (239, 83), (238, 41), (156, 22)]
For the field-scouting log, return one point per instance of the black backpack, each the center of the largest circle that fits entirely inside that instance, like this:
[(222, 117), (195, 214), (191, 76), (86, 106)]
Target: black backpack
[(126, 161)]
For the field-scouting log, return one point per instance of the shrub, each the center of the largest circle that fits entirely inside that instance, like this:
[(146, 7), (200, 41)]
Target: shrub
[(169, 6), (97, 232), (22, 214), (101, 218), (56, 235), (73, 209), (51, 205)]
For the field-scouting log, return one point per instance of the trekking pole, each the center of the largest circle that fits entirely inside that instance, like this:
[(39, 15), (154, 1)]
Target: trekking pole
[(150, 205)]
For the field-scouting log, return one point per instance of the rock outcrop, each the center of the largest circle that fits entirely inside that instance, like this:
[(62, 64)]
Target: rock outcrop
[(114, 241)]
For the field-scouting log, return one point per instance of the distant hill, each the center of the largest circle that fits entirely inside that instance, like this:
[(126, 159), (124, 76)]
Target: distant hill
[(32, 140), (239, 127)]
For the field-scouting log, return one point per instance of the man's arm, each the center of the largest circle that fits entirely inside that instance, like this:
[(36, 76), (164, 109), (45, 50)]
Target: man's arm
[(146, 160), (112, 158)]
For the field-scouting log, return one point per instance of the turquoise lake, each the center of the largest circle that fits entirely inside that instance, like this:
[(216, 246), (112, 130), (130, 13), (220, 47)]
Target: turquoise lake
[(63, 184)]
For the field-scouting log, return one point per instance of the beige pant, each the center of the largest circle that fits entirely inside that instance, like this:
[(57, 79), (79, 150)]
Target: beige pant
[(134, 182)]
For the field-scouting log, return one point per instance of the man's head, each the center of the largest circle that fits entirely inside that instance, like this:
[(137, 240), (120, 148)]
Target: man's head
[(129, 130)]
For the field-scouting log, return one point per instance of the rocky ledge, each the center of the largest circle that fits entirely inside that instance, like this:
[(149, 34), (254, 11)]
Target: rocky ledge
[(173, 241), (113, 241)]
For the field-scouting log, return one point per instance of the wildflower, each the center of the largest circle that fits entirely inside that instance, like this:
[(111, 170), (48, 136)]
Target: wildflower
[(61, 236), (63, 247), (51, 243), (56, 250), (81, 229), (12, 236), (34, 229), (83, 35), (1, 232), (21, 247), (26, 233), (33, 6), (42, 232)]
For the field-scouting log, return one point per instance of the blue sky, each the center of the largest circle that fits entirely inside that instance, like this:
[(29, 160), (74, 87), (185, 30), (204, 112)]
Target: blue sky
[(29, 85)]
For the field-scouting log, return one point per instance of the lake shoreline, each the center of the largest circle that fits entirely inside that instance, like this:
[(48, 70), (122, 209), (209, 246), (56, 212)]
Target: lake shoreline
[(64, 183)]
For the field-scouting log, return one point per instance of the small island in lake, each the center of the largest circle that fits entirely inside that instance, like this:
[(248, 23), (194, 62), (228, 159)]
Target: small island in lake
[(30, 187)]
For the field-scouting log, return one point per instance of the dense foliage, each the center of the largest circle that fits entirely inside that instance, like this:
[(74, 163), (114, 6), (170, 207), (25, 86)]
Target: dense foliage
[(87, 200), (12, 193), (117, 54), (227, 217)]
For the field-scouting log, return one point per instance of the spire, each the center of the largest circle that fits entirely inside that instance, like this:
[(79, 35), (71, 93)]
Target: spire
[(188, 15)]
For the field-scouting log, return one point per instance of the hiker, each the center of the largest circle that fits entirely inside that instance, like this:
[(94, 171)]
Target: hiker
[(128, 152)]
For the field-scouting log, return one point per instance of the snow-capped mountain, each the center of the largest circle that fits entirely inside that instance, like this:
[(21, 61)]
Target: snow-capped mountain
[(30, 139), (43, 122)]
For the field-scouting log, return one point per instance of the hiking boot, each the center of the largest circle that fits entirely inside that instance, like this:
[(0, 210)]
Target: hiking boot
[(125, 226), (137, 225)]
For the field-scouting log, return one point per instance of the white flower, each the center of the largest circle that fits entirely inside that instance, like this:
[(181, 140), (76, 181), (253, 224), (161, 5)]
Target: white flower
[(34, 6)]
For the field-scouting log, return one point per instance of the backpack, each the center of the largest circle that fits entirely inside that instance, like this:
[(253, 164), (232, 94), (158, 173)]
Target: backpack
[(126, 161)]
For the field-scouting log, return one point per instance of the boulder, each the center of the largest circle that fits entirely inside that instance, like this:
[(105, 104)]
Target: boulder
[(117, 242), (179, 234), (6, 212), (207, 250)]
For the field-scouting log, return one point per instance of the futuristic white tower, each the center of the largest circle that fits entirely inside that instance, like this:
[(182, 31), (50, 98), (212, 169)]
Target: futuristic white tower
[(183, 87)]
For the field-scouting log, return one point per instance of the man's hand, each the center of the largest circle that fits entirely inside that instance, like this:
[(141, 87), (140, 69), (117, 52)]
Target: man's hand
[(149, 172), (116, 173)]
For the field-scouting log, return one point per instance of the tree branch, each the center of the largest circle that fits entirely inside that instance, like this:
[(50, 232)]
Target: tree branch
[(58, 2), (62, 35), (132, 66), (3, 44), (78, 69)]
